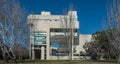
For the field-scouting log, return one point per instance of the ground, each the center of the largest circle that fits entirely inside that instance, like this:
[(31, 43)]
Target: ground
[(71, 63), (63, 62)]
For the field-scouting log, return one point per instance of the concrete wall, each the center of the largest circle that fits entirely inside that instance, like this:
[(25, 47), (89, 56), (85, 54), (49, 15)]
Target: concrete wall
[(83, 38), (45, 22), (59, 57)]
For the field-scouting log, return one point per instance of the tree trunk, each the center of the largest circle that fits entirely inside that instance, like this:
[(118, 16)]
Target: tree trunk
[(5, 57), (14, 61)]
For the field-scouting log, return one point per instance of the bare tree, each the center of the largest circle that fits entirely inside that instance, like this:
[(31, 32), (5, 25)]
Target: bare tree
[(32, 34), (113, 18), (12, 27), (68, 25)]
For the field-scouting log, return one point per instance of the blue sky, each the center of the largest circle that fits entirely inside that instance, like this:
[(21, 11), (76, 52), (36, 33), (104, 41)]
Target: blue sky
[(90, 12)]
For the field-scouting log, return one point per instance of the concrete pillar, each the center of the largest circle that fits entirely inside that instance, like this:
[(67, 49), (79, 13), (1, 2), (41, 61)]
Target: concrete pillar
[(33, 54), (42, 53), (30, 53), (48, 57)]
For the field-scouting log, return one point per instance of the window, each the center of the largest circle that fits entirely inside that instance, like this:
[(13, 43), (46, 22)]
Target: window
[(40, 38), (74, 50)]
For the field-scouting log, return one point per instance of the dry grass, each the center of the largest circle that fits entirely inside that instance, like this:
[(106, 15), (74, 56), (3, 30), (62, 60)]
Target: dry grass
[(63, 62), (69, 62)]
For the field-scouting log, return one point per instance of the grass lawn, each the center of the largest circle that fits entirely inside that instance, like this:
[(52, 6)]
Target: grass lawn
[(63, 62)]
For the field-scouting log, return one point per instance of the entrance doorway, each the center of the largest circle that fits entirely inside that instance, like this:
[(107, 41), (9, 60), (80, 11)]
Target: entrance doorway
[(37, 54)]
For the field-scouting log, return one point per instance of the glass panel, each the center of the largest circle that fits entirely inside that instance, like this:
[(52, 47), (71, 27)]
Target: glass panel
[(40, 38)]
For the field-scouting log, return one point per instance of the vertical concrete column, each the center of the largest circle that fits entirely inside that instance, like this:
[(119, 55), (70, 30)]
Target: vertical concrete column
[(30, 53), (30, 50), (42, 52), (33, 54), (48, 45)]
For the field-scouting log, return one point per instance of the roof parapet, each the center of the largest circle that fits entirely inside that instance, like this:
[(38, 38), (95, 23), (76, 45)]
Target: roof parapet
[(74, 13), (45, 13)]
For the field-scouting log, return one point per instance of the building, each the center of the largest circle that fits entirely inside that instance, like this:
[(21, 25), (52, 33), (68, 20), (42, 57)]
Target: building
[(48, 39)]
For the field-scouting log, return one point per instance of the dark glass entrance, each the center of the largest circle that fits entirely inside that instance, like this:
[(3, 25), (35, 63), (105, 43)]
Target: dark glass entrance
[(37, 54)]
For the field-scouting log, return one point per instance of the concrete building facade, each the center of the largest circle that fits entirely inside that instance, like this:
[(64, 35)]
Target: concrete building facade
[(47, 37)]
